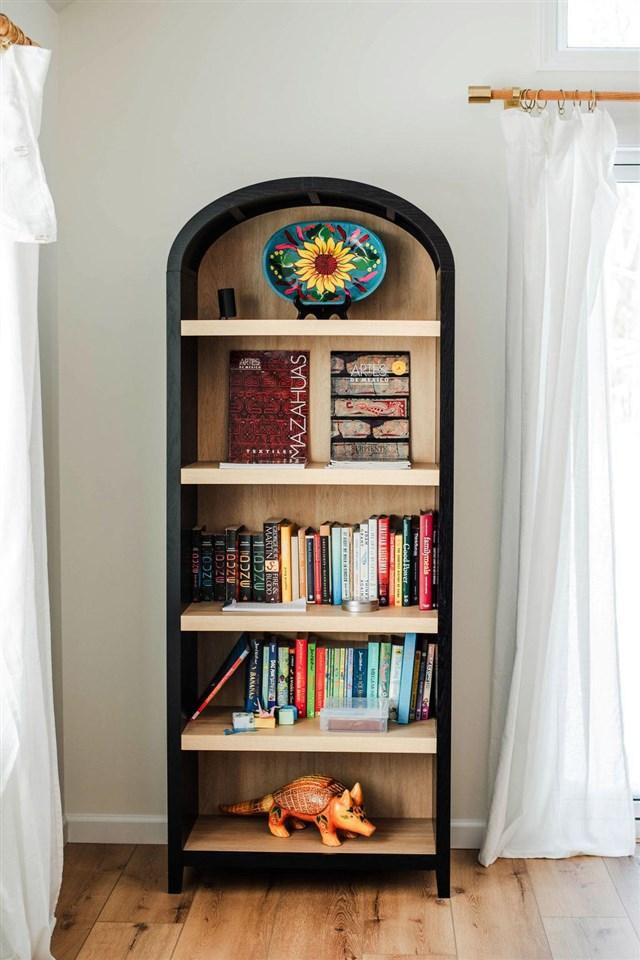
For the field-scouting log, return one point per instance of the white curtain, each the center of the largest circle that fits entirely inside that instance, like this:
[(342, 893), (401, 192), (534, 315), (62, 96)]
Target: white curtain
[(561, 785), (30, 818)]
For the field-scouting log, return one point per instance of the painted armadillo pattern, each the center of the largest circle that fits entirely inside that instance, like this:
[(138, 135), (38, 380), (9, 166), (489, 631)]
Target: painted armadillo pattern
[(315, 799)]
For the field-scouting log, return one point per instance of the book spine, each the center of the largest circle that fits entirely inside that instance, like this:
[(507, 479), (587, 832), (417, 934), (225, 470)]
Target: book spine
[(349, 677), (310, 577), (435, 566), (219, 566), (346, 537), (360, 672), (421, 679), (273, 674), (342, 673), (328, 674), (425, 601), (414, 685), (285, 563), (373, 667), (317, 568), (428, 679), (406, 561), (336, 565), (231, 540), (232, 669), (355, 565), (264, 684), (373, 558), (392, 568), (272, 561), (300, 692), (415, 559), (257, 567), (195, 564), (254, 676), (302, 560), (364, 560), (295, 568), (397, 567), (311, 678), (394, 679), (292, 675), (321, 670), (325, 561), (385, 668), (244, 566), (282, 687), (406, 677), (383, 561), (206, 567)]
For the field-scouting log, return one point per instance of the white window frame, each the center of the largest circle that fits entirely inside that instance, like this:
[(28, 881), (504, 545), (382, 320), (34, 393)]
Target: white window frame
[(555, 54)]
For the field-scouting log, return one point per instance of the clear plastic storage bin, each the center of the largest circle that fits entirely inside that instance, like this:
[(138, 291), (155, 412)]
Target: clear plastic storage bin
[(355, 715)]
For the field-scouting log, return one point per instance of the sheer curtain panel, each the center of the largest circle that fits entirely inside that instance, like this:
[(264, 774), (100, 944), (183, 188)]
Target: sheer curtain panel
[(30, 819), (561, 785)]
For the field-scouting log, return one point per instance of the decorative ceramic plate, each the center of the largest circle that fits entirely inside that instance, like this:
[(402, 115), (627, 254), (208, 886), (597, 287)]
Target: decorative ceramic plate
[(324, 262)]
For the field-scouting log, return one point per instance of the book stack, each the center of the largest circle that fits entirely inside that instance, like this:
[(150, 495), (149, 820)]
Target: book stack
[(393, 559)]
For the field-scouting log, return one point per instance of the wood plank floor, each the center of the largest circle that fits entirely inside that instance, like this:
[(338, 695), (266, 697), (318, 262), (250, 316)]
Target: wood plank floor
[(113, 906)]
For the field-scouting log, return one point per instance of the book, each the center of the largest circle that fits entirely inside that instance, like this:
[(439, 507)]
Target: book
[(364, 560), (231, 566), (328, 674), (257, 567), (286, 573), (348, 683), (346, 544), (435, 563), (395, 672), (373, 558), (415, 558), (342, 673), (414, 683), (325, 562), (373, 667), (244, 566), (219, 566), (428, 678), (196, 535), (272, 585), (383, 561), (392, 564), (385, 668), (311, 678), (272, 689), (302, 560), (421, 679), (317, 567), (264, 684), (336, 565), (206, 566), (397, 569), (406, 561), (300, 687), (310, 565), (359, 687), (236, 656), (406, 677), (253, 686), (355, 563), (282, 686), (321, 669), (426, 542), (292, 674), (268, 406), (370, 406), (295, 567)]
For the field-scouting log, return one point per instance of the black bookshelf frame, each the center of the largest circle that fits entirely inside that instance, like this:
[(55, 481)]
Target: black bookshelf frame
[(187, 251)]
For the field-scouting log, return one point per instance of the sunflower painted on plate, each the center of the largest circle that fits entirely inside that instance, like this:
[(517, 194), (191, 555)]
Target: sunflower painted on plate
[(324, 264)]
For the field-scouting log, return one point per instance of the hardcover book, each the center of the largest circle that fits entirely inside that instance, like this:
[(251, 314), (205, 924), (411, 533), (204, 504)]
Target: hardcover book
[(268, 406), (370, 407), (219, 566), (273, 587), (206, 566), (244, 565), (257, 567), (196, 536)]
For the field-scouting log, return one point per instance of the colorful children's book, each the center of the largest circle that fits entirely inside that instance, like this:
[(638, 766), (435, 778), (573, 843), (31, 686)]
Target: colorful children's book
[(373, 667), (406, 677), (230, 664), (311, 678)]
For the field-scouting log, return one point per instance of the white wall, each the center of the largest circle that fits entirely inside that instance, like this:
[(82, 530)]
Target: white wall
[(166, 106)]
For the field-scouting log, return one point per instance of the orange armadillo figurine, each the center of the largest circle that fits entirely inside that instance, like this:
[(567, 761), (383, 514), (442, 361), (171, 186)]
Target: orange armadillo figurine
[(320, 800)]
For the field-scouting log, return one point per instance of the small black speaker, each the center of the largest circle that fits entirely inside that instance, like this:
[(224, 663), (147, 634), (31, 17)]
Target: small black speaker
[(227, 302)]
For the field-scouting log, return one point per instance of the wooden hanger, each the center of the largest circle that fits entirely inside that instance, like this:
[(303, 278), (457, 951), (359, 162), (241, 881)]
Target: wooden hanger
[(10, 34)]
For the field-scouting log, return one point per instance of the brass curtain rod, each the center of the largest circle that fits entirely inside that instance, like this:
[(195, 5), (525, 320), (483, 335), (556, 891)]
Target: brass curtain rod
[(512, 96), (10, 34)]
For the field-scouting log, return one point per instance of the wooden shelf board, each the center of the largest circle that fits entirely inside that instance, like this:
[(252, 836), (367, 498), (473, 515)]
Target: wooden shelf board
[(207, 733), (310, 328), (314, 474), (209, 617), (251, 835)]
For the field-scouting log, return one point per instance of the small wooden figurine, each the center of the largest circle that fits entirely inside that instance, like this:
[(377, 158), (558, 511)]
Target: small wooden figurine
[(320, 800)]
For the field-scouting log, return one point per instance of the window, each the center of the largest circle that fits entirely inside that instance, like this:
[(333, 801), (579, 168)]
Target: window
[(590, 34), (621, 291)]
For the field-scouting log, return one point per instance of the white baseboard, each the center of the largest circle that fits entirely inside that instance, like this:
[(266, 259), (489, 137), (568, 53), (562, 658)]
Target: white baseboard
[(140, 828), (115, 828)]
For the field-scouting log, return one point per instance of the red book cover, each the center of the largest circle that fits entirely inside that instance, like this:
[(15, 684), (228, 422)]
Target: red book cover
[(317, 567), (391, 591), (383, 561), (300, 682), (425, 584), (321, 667), (268, 406)]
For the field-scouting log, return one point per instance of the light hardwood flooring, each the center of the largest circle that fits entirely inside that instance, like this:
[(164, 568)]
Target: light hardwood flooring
[(113, 907)]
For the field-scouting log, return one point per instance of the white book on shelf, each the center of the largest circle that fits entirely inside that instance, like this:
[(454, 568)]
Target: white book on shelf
[(346, 543), (369, 465), (373, 558), (261, 466), (364, 560), (355, 564), (295, 567)]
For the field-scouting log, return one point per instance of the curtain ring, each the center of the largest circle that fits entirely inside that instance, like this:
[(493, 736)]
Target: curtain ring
[(592, 104), (523, 100), (538, 102), (562, 102), (577, 101)]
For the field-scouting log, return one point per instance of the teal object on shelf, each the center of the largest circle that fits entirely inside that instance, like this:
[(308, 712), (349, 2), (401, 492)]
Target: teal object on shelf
[(324, 262)]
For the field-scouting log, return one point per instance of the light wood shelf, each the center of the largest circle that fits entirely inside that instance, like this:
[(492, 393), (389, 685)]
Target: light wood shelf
[(314, 474), (251, 835), (210, 617), (207, 733), (310, 328)]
